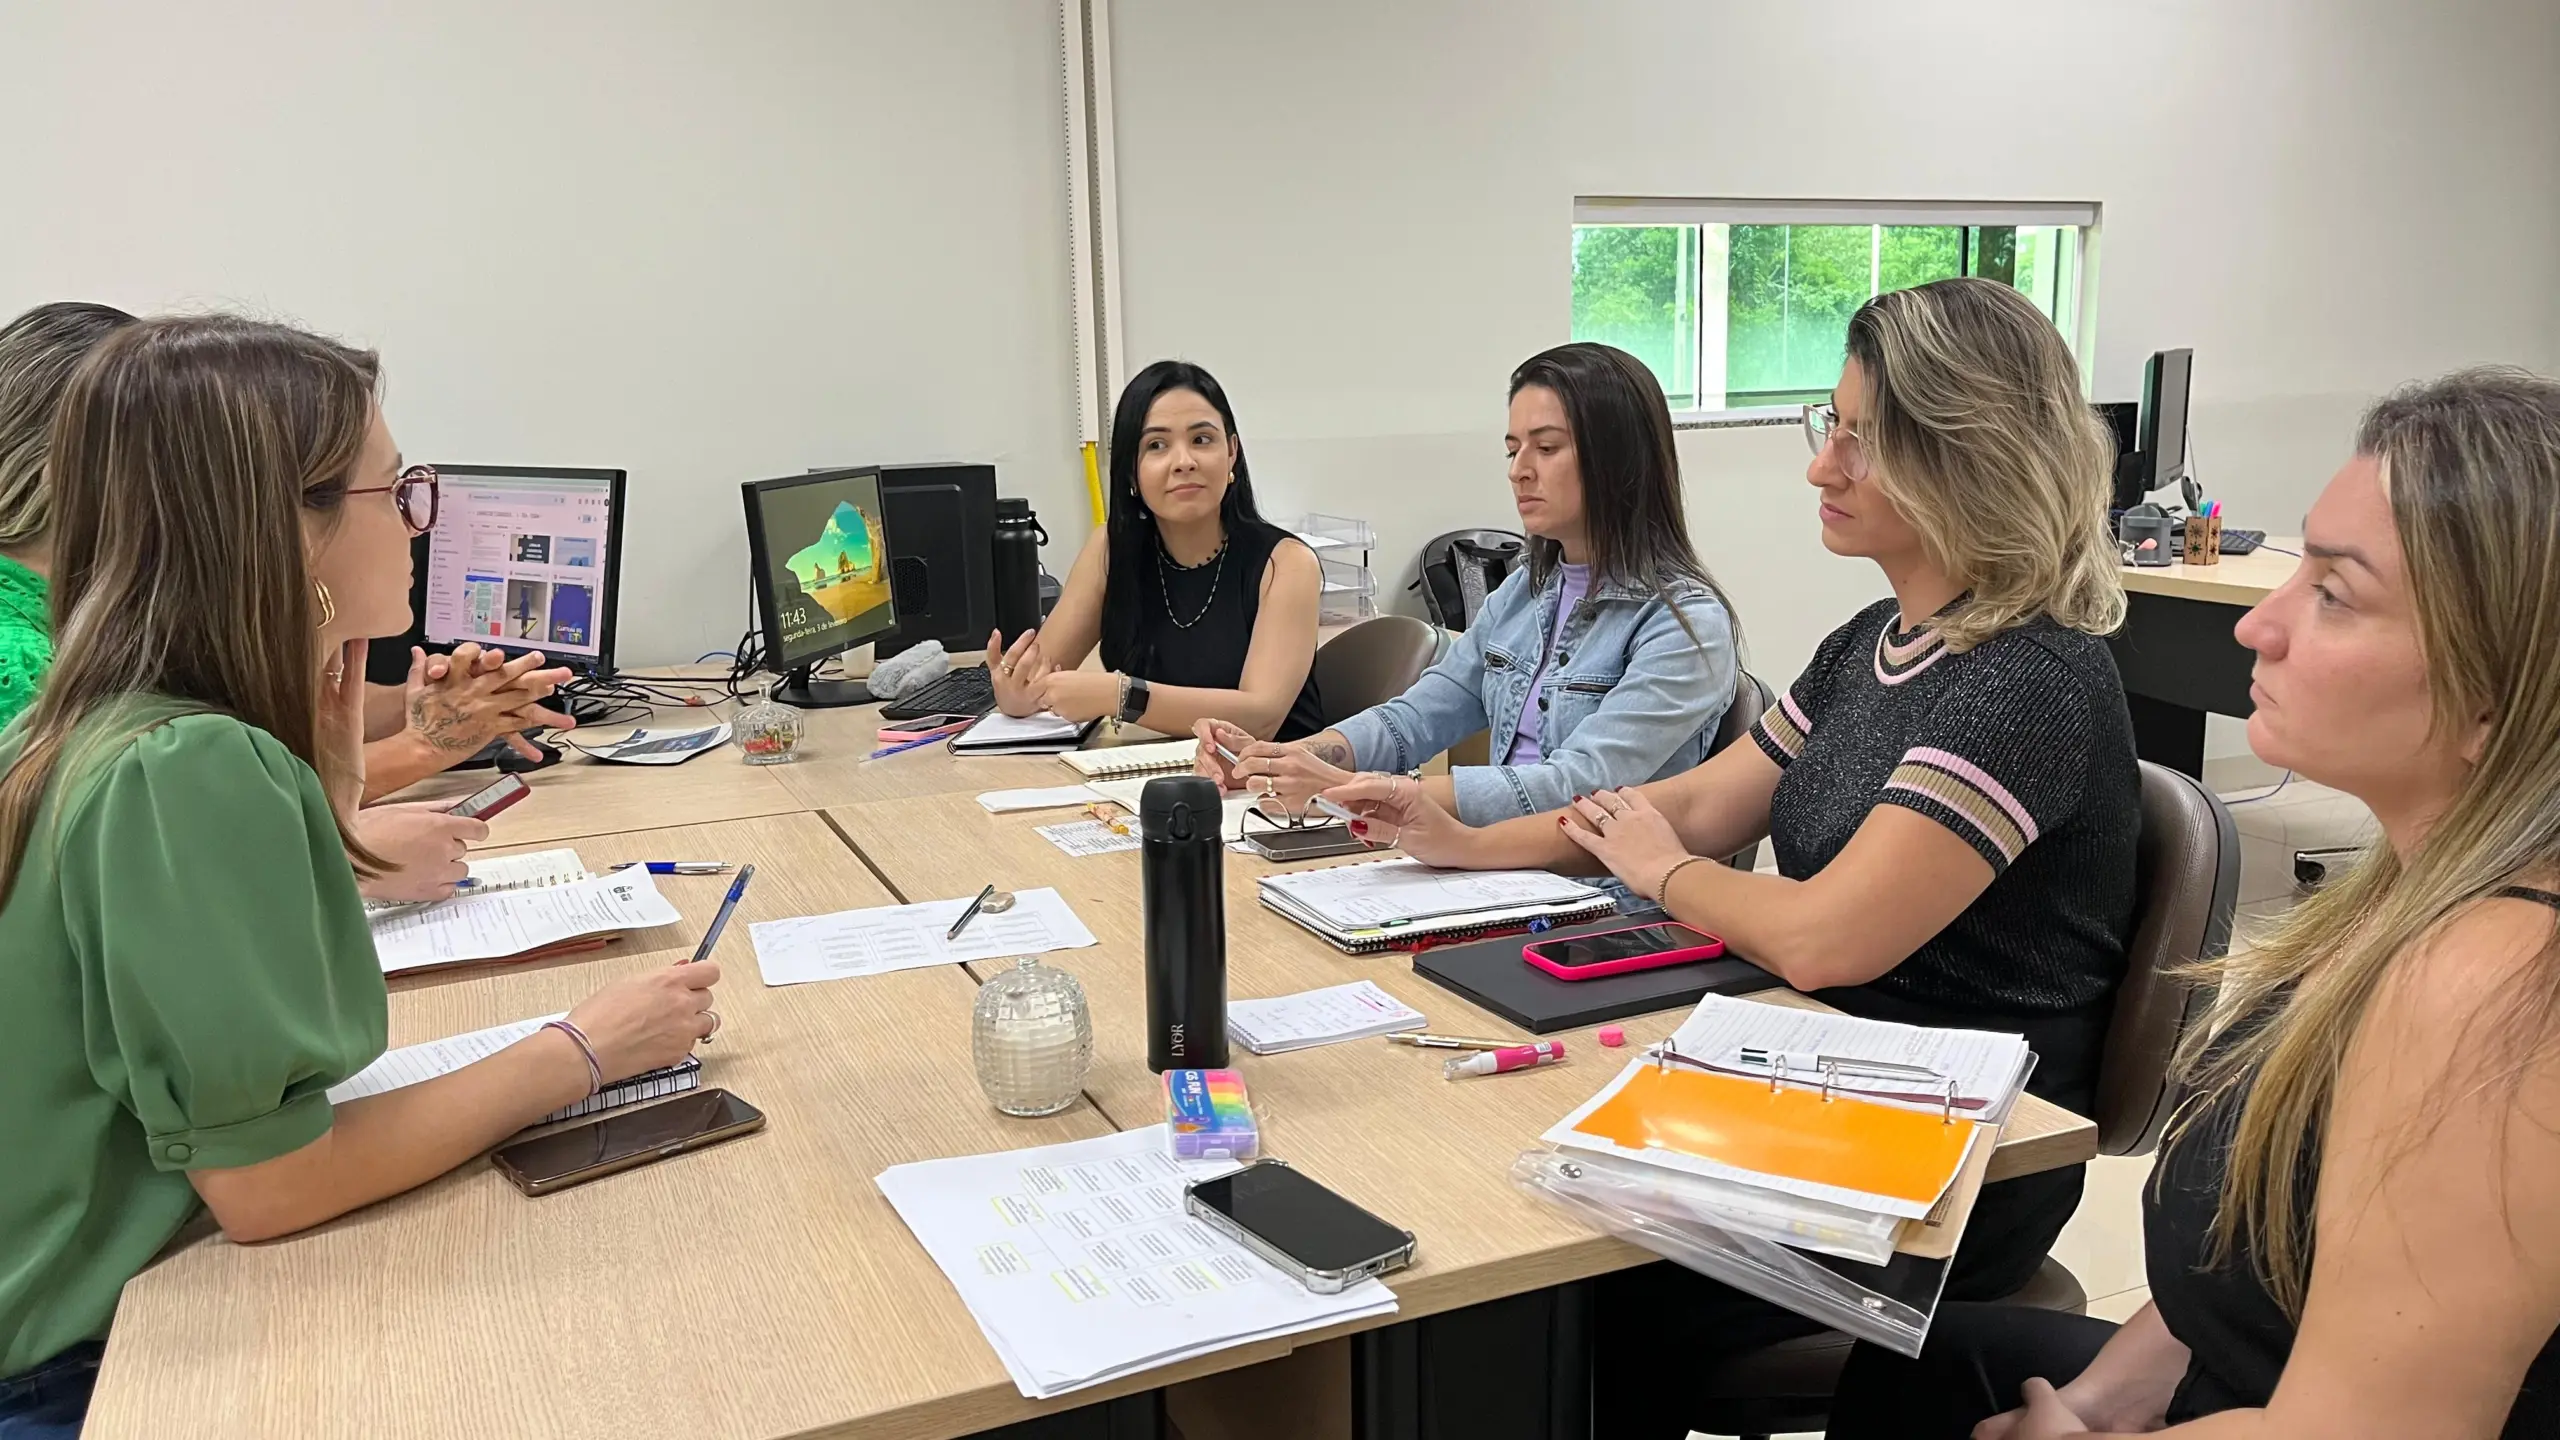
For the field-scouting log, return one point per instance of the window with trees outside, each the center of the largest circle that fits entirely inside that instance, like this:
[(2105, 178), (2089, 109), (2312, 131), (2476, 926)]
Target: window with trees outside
[(1742, 305)]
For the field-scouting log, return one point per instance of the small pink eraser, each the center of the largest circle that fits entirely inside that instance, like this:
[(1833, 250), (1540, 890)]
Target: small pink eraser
[(1613, 1036)]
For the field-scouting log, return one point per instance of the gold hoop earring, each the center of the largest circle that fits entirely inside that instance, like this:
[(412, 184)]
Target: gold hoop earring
[(328, 604)]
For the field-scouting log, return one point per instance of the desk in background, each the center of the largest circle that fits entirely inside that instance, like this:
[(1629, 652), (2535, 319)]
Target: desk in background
[(2176, 651)]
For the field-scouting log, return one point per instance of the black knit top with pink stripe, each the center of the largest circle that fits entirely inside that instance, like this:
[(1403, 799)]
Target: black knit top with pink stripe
[(2020, 747)]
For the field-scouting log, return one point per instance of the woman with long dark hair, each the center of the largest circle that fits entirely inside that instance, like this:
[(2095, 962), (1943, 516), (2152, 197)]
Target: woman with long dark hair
[(1201, 607), (1607, 660)]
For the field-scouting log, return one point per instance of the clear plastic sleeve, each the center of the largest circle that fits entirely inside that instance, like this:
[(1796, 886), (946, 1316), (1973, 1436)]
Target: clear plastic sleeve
[(1890, 1303)]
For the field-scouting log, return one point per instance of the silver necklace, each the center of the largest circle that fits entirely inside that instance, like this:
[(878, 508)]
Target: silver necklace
[(1164, 581)]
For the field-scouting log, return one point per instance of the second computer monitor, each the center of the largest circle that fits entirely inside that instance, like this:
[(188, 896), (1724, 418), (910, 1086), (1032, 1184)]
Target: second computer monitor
[(2164, 417), (820, 560)]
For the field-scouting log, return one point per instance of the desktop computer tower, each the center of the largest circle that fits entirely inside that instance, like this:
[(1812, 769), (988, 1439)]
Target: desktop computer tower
[(941, 524)]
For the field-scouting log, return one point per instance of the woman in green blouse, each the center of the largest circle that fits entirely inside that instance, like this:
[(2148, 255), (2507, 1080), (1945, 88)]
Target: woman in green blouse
[(183, 957), (446, 712)]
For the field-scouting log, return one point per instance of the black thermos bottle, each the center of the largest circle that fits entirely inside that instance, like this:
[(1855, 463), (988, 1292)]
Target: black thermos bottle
[(1184, 868), (1017, 542)]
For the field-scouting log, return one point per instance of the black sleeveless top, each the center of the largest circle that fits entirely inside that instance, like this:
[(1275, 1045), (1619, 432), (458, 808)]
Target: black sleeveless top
[(1195, 624), (2237, 1336)]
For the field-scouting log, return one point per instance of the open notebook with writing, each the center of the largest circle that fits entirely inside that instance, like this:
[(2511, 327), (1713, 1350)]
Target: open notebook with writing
[(411, 1064), (518, 924)]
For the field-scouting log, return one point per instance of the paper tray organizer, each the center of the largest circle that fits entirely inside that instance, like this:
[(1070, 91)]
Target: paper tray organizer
[(1890, 1303)]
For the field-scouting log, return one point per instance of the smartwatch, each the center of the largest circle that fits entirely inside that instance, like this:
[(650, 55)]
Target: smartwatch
[(1133, 700)]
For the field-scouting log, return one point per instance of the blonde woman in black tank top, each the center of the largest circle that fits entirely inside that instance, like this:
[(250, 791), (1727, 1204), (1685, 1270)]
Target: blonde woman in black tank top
[(2352, 1233)]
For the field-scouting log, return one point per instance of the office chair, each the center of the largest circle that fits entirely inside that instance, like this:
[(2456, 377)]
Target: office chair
[(1371, 663), (1751, 700), (2186, 888)]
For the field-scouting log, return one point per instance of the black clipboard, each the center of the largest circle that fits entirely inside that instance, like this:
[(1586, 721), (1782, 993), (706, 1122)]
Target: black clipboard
[(1491, 974)]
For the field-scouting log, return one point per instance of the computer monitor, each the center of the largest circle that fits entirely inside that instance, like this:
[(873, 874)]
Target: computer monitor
[(820, 561), (942, 520), (2164, 418), (523, 557)]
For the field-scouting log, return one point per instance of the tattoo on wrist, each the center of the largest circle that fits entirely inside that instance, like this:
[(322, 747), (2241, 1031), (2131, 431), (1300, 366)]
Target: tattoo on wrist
[(441, 725), (1332, 752)]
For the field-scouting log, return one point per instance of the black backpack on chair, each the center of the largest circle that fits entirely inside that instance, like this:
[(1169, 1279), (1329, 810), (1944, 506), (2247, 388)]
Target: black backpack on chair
[(1462, 567)]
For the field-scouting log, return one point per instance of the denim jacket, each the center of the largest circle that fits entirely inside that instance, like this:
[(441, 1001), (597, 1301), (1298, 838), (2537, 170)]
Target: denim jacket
[(1628, 696)]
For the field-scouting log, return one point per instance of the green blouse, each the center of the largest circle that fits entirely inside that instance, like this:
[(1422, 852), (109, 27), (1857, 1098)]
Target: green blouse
[(192, 1018), (26, 637)]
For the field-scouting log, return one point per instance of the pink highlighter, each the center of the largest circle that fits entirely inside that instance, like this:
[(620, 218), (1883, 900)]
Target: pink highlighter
[(1497, 1062)]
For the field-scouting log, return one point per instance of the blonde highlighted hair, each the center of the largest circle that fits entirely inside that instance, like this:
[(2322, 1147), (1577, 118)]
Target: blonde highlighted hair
[(1981, 438), (2471, 464)]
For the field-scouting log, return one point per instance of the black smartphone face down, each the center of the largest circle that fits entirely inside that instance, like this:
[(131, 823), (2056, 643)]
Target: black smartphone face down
[(624, 1138), (1313, 842), (1580, 950), (1300, 1218)]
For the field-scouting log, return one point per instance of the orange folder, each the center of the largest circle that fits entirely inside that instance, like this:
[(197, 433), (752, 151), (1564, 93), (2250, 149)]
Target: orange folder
[(1788, 1131)]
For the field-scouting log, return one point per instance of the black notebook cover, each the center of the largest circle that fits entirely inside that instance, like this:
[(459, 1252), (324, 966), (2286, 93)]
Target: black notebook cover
[(1491, 974)]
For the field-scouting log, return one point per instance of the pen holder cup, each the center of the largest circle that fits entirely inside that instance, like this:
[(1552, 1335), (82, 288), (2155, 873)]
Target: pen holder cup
[(1031, 1036), (2204, 539)]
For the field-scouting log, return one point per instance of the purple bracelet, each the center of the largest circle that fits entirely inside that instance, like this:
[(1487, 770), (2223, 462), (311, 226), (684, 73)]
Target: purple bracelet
[(595, 1070)]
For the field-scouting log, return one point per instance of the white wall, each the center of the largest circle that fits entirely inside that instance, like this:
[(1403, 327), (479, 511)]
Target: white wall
[(1359, 216), (703, 243)]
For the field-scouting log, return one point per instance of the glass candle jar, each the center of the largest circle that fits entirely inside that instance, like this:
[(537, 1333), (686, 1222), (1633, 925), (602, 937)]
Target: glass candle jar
[(1032, 1039)]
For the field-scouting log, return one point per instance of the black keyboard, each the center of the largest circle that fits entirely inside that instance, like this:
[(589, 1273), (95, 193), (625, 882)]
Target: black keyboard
[(968, 690), (2241, 542)]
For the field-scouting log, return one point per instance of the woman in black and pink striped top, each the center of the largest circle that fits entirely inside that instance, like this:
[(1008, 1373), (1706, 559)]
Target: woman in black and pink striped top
[(1950, 784)]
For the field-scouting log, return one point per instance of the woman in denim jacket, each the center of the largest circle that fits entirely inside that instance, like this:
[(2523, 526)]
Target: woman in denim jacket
[(1607, 661)]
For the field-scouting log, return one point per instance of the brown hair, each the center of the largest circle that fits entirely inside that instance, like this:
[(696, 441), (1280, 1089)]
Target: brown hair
[(1984, 442), (186, 455), (2471, 464)]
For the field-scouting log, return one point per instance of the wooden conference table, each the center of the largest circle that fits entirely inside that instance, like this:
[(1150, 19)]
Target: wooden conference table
[(2176, 651), (764, 1288)]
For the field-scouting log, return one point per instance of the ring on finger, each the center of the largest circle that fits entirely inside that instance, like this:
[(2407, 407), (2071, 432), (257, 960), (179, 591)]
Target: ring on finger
[(715, 1025)]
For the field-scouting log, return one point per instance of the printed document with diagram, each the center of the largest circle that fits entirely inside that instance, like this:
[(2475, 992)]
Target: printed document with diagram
[(514, 923), (1080, 1265)]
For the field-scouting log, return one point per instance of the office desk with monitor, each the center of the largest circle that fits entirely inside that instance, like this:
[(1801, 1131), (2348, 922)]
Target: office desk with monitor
[(763, 1288), (2177, 654)]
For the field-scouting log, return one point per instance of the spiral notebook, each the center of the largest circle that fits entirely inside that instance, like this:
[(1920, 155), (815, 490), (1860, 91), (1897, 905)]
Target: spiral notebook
[(411, 1064), (1169, 757), (1381, 904)]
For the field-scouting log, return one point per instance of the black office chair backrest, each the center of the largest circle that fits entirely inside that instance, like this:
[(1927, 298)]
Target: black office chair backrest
[(2186, 888), (1751, 700)]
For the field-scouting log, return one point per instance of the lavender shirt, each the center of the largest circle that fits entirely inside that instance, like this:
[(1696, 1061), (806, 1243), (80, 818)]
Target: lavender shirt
[(1533, 726)]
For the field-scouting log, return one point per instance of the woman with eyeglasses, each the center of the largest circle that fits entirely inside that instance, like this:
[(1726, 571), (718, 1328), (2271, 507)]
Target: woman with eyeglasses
[(184, 960), (1950, 784), (445, 713)]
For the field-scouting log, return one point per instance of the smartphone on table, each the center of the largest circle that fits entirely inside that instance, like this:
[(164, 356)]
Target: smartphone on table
[(1308, 842), (489, 800), (1316, 1237), (620, 1140), (1619, 952)]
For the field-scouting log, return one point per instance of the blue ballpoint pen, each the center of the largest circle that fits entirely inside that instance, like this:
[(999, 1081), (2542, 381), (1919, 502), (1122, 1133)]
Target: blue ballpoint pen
[(687, 867), (905, 745), (720, 922)]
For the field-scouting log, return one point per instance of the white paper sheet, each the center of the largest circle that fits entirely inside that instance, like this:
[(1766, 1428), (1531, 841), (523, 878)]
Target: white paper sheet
[(491, 873), (490, 927), (1318, 1017), (1082, 838), (656, 747), (1049, 797), (882, 938), (1079, 1264)]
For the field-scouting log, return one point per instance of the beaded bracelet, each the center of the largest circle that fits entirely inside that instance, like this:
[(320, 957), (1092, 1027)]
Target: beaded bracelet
[(595, 1069), (1662, 892)]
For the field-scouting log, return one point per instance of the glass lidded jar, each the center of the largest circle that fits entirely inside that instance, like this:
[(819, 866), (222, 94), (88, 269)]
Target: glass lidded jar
[(1032, 1038), (769, 732)]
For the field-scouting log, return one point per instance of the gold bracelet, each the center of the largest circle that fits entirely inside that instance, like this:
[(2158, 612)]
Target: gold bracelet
[(1662, 892)]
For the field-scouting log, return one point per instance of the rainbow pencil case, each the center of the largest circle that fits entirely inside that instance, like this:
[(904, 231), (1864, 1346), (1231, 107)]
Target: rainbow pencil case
[(1209, 1115)]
